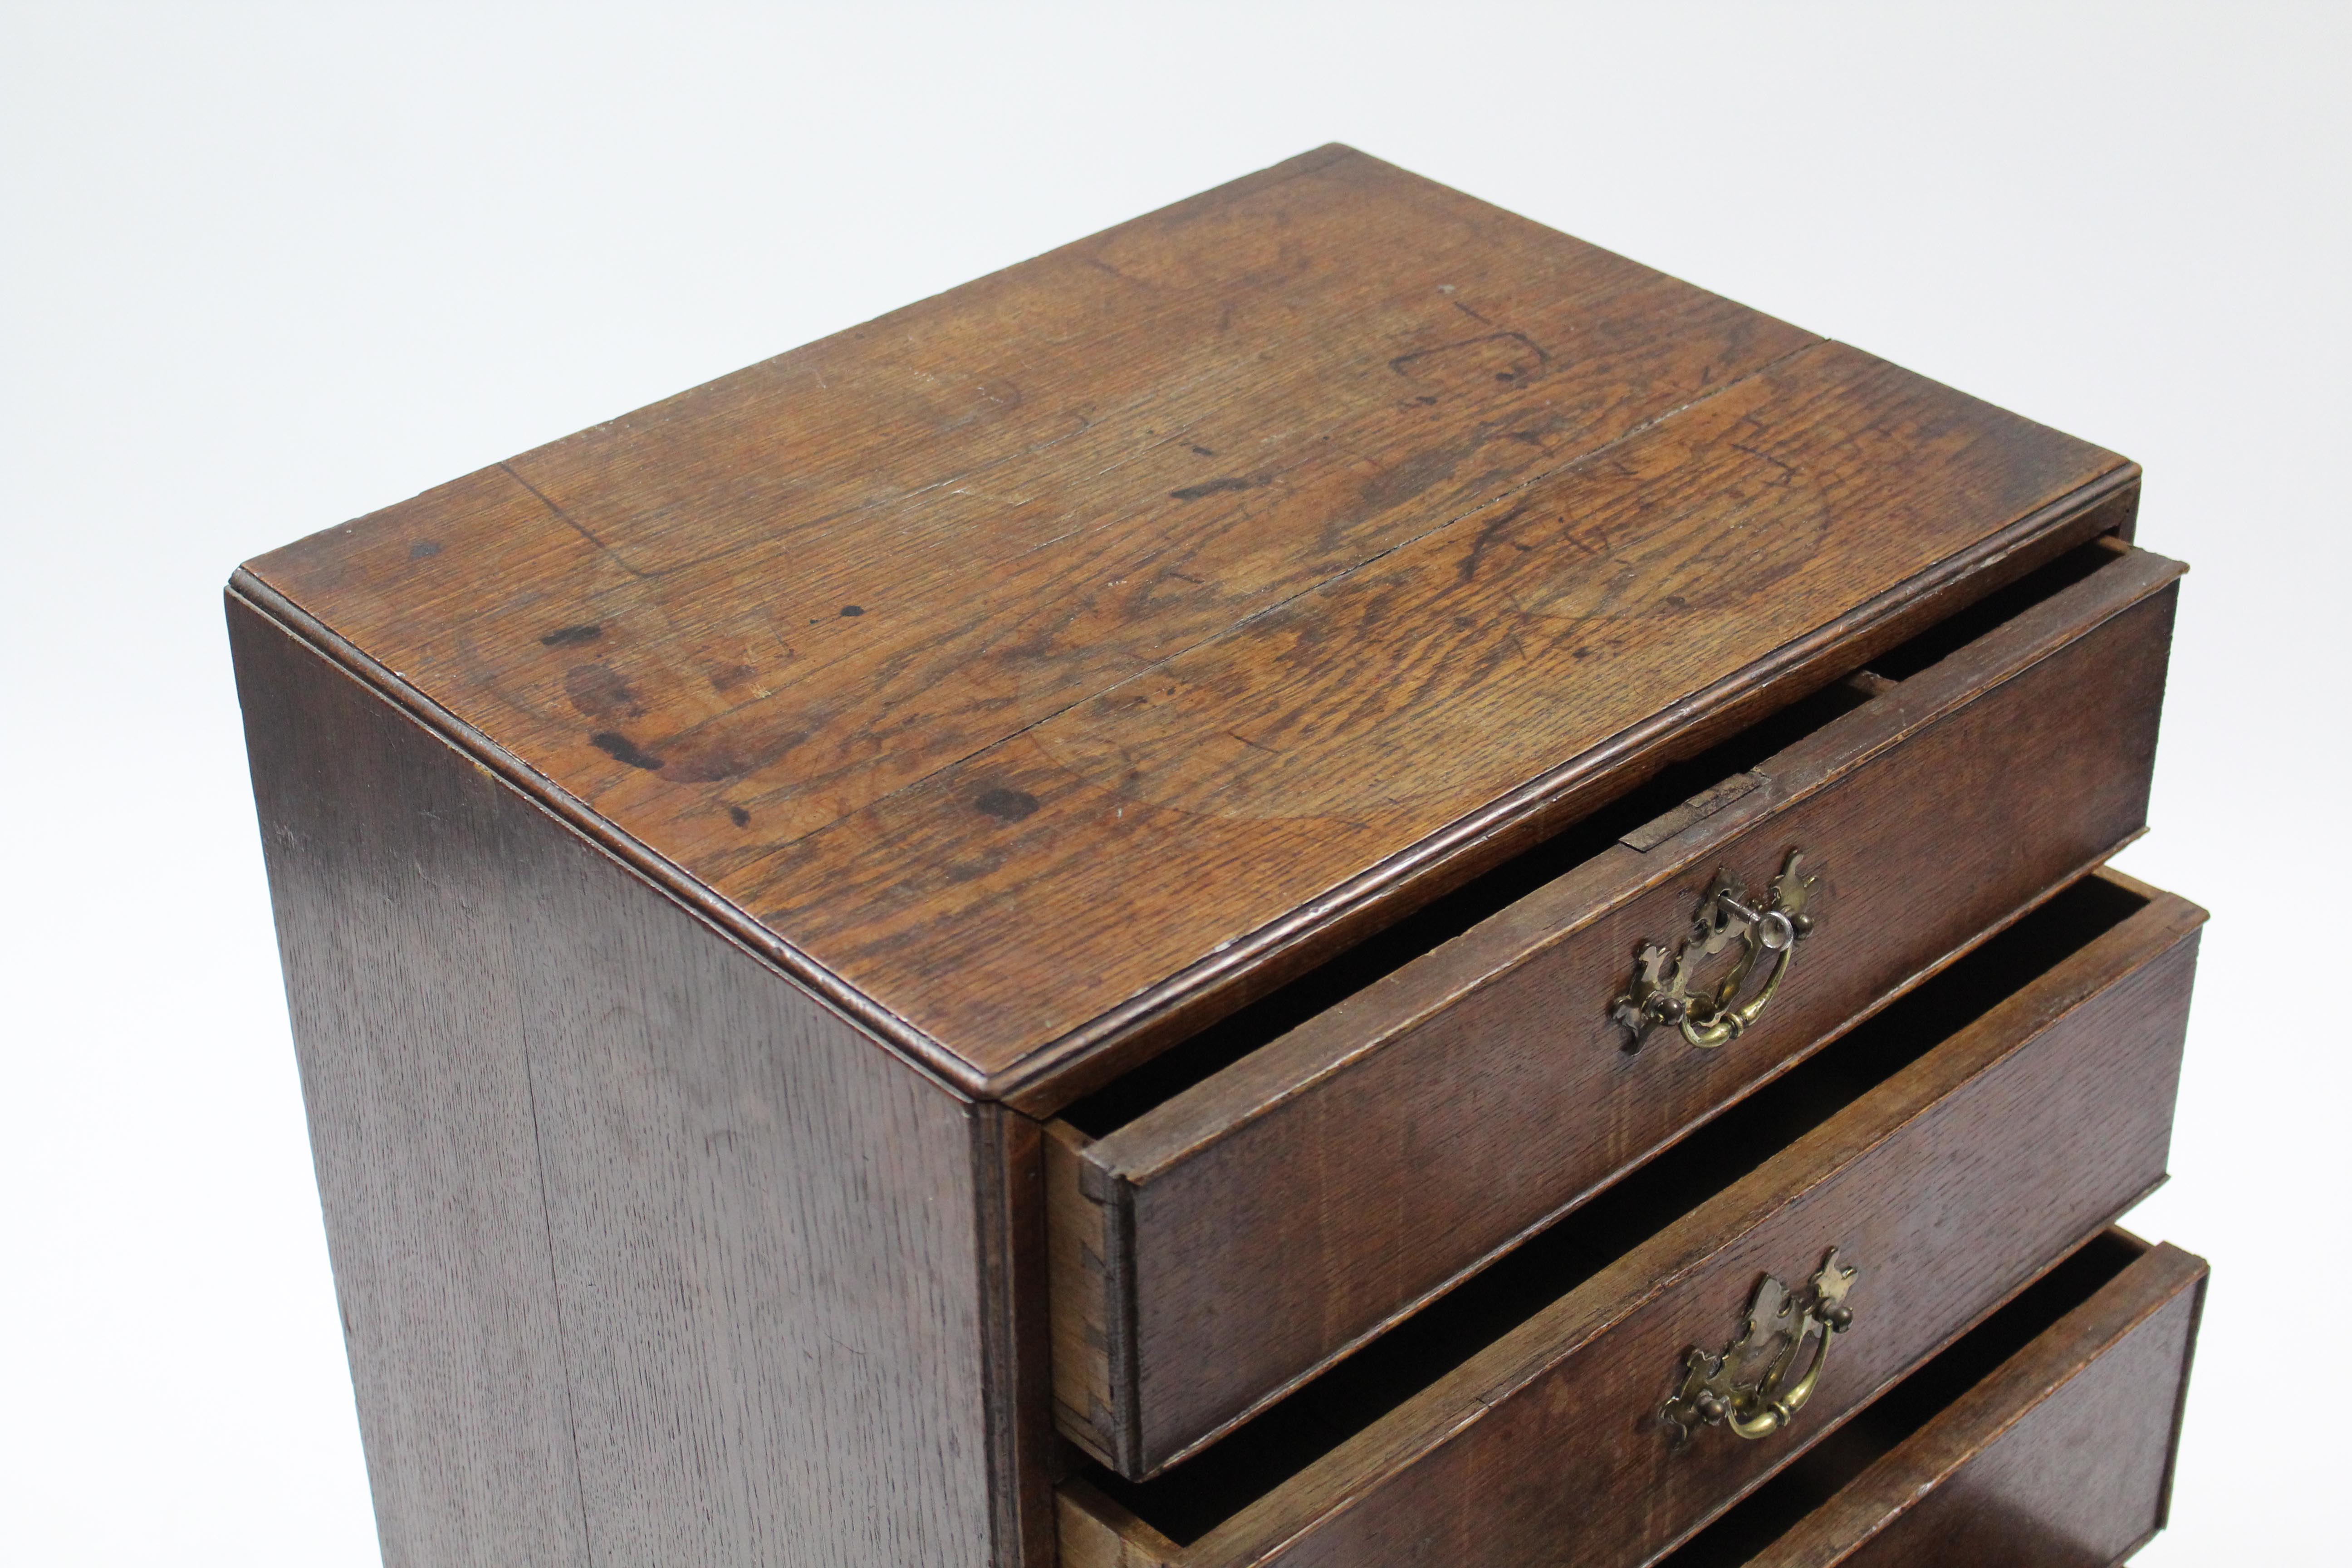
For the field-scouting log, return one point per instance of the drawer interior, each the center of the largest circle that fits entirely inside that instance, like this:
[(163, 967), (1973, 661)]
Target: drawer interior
[(1828, 1466), (1202, 1056), (1190, 1499)]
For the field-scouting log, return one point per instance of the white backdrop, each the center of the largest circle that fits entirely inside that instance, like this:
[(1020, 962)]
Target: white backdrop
[(266, 270)]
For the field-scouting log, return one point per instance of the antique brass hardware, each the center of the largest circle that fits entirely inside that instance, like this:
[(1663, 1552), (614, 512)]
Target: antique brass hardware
[(1746, 1387), (1660, 990)]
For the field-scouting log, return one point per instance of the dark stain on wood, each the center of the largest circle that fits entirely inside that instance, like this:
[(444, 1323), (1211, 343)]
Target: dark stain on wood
[(1006, 804), (621, 749), (1212, 487)]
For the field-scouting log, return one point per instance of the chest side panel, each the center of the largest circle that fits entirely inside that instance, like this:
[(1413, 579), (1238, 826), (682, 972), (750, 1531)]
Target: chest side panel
[(644, 1256)]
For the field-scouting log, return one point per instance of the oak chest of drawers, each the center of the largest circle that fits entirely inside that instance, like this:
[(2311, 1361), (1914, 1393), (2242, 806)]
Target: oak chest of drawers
[(1327, 880)]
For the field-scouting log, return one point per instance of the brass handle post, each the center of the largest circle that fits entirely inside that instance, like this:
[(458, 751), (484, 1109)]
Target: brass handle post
[(1665, 987), (1746, 1386)]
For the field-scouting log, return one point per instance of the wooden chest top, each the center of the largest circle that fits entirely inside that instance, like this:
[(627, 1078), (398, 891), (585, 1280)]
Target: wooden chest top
[(1038, 669)]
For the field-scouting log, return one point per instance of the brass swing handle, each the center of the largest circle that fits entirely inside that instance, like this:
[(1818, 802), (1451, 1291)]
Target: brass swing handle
[(1746, 1387), (1662, 988)]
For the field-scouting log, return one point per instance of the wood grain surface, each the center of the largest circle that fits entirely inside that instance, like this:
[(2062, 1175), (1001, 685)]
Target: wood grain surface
[(1261, 1224), (2061, 1458), (422, 1123), (644, 1255), (1953, 1178), (1084, 646)]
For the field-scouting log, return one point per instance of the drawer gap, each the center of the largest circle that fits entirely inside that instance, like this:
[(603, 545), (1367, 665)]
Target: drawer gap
[(1186, 1501), (1210, 1051), (1828, 1466), (1963, 626)]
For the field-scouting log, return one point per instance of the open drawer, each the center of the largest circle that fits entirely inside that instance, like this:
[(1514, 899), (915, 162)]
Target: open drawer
[(1915, 1175), (1246, 1210), (2044, 1438)]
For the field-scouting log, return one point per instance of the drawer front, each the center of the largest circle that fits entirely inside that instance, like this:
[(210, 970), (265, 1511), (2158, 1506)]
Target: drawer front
[(1949, 1185), (2059, 1458), (1230, 1242)]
